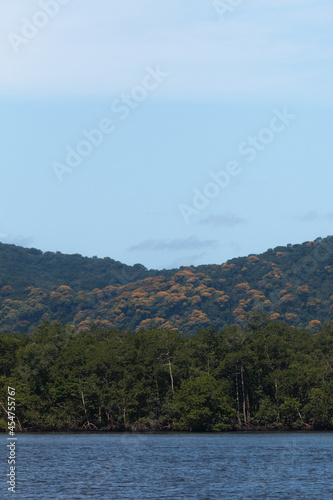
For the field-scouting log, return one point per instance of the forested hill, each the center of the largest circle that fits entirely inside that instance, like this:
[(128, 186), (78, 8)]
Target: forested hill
[(292, 283), (23, 267)]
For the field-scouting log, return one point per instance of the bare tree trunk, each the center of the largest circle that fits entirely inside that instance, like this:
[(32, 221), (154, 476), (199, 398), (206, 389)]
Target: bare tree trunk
[(157, 389), (89, 424), (84, 406), (243, 393), (19, 424), (237, 396), (171, 377), (248, 406), (276, 398)]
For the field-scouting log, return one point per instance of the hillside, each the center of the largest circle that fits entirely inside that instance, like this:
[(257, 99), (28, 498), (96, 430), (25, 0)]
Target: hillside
[(23, 267), (292, 283)]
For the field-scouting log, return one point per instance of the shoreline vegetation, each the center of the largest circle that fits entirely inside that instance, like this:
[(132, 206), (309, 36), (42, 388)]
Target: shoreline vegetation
[(265, 376)]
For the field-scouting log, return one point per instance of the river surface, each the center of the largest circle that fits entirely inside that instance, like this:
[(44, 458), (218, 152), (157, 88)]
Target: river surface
[(254, 466)]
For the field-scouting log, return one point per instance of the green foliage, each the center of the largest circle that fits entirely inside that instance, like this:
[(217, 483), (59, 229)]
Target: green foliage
[(267, 375), (267, 414), (202, 405), (291, 284)]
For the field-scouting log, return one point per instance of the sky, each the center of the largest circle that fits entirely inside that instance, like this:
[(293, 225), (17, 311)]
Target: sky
[(169, 133)]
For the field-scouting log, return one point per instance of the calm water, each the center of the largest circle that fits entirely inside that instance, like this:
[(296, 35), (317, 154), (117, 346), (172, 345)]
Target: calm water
[(172, 466)]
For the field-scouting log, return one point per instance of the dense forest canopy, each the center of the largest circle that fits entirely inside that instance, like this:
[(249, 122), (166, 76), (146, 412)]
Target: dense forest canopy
[(291, 284), (266, 375)]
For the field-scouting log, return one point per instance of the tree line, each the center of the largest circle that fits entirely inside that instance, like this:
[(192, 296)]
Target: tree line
[(265, 375)]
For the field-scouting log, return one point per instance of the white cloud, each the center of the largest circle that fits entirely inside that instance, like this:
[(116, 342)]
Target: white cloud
[(175, 245), (185, 260), (19, 240), (103, 47), (313, 216)]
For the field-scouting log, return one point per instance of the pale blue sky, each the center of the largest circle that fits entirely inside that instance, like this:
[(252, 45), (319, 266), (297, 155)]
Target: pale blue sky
[(201, 87)]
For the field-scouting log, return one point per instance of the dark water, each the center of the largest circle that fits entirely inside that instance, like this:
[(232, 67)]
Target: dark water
[(171, 466)]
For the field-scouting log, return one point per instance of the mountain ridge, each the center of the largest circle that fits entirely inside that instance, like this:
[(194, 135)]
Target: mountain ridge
[(291, 283)]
